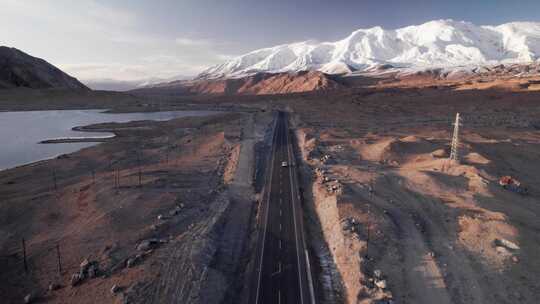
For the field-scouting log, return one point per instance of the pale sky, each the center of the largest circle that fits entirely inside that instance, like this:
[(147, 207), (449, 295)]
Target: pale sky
[(135, 39)]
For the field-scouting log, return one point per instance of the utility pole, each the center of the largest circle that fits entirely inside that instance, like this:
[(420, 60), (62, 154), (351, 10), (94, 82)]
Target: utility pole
[(454, 152), (24, 256), (371, 190), (54, 180), (367, 239), (139, 165), (167, 151), (58, 259), (116, 179)]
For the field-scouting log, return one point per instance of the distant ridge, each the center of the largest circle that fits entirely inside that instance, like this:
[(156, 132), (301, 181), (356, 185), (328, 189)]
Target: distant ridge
[(106, 84), (439, 43), (257, 84), (18, 69)]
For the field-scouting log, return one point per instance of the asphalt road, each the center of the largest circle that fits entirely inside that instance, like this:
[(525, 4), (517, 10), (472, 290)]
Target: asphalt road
[(281, 273)]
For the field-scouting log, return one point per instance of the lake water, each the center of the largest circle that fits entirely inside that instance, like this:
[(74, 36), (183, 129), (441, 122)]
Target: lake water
[(21, 132)]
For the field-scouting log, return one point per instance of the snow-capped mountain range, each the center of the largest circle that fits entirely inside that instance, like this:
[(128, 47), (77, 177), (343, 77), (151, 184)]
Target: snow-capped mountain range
[(434, 44)]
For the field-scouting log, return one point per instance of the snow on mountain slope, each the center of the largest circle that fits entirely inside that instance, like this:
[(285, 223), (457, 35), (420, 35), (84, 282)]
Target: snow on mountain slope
[(440, 43)]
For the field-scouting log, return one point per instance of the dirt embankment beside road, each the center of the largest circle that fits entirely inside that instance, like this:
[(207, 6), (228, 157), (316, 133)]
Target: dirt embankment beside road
[(141, 217), (402, 223)]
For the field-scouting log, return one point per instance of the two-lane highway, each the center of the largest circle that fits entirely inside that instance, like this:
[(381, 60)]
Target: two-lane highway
[(281, 273)]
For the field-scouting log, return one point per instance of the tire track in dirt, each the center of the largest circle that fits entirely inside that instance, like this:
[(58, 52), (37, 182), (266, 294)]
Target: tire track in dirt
[(431, 270), (421, 275), (432, 267)]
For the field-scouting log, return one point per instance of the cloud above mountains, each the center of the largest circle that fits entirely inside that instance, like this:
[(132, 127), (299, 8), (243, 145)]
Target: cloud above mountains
[(123, 39), (94, 40)]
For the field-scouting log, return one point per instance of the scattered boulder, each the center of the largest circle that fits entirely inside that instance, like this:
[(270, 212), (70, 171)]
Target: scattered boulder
[(175, 211), (147, 244), (377, 273), (54, 286), (88, 269), (133, 261), (381, 284), (351, 224), (29, 298), (161, 217), (114, 289), (130, 262), (334, 187), (325, 158), (76, 279), (83, 267), (506, 244), (93, 270)]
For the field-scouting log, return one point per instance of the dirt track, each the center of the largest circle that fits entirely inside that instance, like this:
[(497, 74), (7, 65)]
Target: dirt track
[(433, 226)]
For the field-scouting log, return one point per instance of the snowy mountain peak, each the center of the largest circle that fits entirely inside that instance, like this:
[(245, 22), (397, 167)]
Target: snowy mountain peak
[(438, 43)]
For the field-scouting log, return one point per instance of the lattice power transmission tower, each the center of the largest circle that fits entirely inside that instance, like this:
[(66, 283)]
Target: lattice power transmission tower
[(454, 152)]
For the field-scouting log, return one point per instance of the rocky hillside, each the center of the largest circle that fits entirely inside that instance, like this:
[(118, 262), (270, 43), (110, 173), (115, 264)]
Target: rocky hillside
[(18, 69), (257, 84)]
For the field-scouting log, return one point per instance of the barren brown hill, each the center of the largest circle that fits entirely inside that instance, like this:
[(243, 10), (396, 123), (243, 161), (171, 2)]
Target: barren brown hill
[(258, 84)]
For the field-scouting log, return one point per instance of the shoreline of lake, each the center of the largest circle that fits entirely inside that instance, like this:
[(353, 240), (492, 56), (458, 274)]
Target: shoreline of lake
[(32, 136)]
